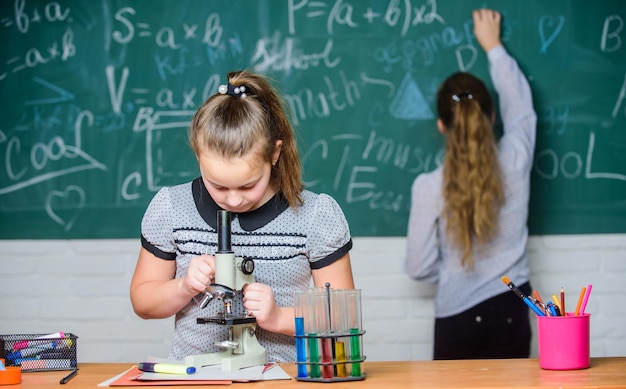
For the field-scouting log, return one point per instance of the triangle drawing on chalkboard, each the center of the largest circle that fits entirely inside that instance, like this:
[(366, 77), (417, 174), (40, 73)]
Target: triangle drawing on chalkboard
[(56, 94), (409, 102)]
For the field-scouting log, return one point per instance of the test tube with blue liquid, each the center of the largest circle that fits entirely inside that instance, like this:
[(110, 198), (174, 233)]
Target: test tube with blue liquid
[(300, 308)]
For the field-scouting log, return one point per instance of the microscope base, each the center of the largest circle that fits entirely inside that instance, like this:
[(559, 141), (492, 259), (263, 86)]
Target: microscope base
[(227, 359), (253, 354)]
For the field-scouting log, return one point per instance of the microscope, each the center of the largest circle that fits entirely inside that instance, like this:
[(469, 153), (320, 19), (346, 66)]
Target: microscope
[(242, 348)]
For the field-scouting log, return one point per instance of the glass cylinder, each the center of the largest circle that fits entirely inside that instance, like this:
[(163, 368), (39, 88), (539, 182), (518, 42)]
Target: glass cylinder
[(353, 302), (300, 308)]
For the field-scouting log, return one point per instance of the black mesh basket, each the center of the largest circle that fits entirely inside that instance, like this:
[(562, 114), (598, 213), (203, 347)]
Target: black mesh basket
[(39, 352)]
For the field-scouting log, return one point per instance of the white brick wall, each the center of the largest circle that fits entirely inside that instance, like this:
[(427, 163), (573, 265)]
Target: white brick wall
[(81, 286)]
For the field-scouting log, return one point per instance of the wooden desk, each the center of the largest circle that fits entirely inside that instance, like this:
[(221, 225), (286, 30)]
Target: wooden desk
[(512, 373)]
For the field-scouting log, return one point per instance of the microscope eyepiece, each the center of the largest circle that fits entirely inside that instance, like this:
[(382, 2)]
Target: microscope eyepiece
[(223, 232)]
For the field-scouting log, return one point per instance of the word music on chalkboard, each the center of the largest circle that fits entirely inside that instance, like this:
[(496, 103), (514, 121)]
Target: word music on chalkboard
[(96, 98)]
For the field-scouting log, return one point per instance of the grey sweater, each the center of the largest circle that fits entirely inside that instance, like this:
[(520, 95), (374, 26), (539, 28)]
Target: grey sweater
[(430, 256)]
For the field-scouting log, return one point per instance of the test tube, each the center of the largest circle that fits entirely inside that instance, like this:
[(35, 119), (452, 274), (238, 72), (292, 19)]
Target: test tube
[(300, 308), (353, 302), (339, 326), (322, 298), (310, 327)]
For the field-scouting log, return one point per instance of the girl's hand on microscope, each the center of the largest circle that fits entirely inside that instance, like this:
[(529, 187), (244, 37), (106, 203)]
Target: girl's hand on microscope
[(258, 299), (201, 272)]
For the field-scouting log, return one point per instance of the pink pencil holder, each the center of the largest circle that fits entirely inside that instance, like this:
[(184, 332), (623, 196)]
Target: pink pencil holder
[(563, 342)]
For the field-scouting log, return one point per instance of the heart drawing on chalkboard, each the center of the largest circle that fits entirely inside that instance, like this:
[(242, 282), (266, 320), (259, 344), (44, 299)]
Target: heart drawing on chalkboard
[(549, 28), (64, 207)]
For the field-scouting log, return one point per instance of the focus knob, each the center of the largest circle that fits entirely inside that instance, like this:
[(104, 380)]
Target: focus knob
[(247, 266)]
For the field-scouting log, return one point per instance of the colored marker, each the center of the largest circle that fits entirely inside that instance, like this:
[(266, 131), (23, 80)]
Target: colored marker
[(580, 301), (19, 361), (40, 364), (585, 299), (556, 300), (537, 296), (58, 353), (68, 377), (2, 368), (539, 301), (562, 305), (507, 281), (552, 308), (33, 350), (167, 368), (25, 343), (538, 304)]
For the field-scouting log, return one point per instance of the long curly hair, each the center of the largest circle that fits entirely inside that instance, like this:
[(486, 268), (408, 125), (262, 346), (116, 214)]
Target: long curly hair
[(472, 181), (235, 126)]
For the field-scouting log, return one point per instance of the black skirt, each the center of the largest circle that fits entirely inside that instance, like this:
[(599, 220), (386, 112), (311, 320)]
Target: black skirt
[(496, 328)]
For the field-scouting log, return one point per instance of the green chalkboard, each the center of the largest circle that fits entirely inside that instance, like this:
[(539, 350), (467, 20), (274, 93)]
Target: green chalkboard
[(96, 97)]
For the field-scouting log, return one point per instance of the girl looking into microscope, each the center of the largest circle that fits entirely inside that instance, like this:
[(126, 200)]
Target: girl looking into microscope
[(249, 165)]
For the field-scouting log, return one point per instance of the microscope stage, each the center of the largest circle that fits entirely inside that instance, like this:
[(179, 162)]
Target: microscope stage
[(234, 320)]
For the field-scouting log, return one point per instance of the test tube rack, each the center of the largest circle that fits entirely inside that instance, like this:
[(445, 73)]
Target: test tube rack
[(339, 368), (329, 346)]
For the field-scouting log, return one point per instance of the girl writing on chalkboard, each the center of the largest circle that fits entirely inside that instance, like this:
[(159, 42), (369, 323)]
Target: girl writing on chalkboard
[(249, 165), (467, 224)]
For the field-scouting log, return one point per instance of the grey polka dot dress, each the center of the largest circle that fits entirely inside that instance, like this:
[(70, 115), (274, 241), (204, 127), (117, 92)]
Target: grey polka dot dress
[(285, 244)]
